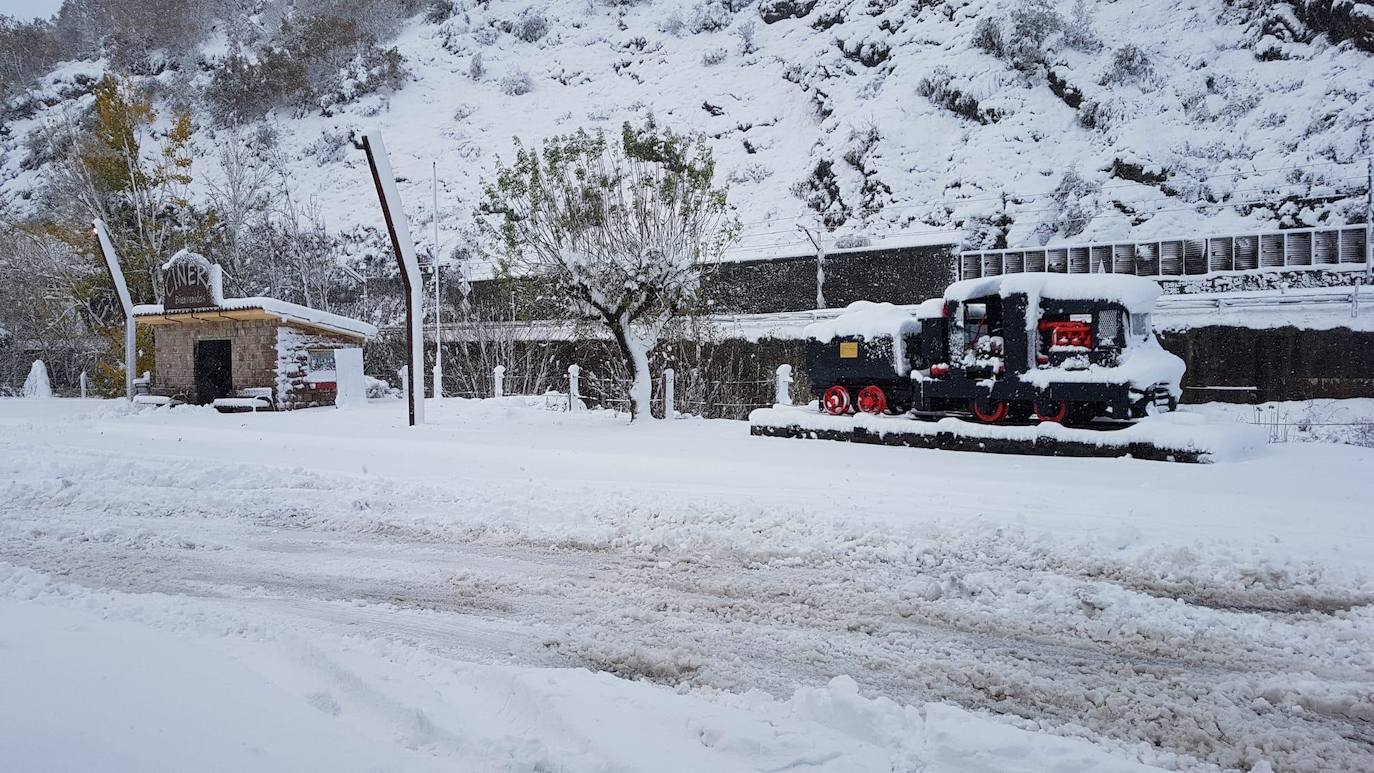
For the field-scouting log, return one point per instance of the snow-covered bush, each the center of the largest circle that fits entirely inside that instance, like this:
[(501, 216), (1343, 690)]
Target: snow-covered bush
[(1032, 24), (486, 36), (378, 389), (673, 25), (1075, 200), (530, 26), (1080, 32), (1129, 64), (437, 11), (776, 10), (709, 16), (714, 56), (463, 111), (312, 63), (749, 173), (516, 82), (476, 69), (987, 36), (940, 88), (746, 32)]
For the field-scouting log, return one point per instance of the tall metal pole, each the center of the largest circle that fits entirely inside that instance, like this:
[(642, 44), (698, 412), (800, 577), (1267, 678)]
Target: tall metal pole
[(125, 302), (438, 308), (398, 228)]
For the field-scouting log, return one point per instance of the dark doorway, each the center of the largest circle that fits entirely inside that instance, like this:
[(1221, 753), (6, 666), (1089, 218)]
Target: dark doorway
[(214, 370)]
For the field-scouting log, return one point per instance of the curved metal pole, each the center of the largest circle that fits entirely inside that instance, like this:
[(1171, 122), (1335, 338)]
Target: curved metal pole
[(399, 230), (122, 290)]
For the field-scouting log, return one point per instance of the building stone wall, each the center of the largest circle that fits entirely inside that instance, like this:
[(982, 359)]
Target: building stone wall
[(292, 350), (265, 353), (253, 343)]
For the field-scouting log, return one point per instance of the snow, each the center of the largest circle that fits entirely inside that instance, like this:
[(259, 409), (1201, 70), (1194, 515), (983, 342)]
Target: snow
[(36, 385), (1142, 364), (865, 319), (1137, 294), (327, 706), (1182, 431), (510, 588), (288, 312), (1224, 123), (349, 378)]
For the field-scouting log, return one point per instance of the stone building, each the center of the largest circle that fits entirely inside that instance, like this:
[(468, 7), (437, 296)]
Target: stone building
[(245, 353)]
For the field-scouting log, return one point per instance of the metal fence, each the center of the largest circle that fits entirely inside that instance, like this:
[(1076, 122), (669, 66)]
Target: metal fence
[(1336, 246)]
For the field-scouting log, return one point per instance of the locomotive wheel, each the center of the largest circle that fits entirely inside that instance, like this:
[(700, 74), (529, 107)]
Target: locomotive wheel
[(1052, 410), (990, 412), (835, 401), (872, 399)]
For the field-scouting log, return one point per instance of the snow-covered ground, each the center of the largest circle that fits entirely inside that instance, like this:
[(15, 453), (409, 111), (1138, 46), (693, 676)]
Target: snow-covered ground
[(516, 589)]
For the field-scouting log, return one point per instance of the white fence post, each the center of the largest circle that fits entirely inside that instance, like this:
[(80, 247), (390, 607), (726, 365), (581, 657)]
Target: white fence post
[(669, 404), (404, 373), (498, 377), (574, 399), (782, 389), (83, 385)]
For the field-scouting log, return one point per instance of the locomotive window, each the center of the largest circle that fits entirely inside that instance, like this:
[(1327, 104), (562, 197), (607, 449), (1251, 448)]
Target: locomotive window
[(1110, 326), (1140, 325)]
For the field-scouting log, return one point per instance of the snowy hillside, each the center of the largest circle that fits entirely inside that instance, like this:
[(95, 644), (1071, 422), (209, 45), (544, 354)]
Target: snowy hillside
[(993, 120)]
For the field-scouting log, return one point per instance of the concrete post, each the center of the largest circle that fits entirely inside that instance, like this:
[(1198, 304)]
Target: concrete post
[(669, 403), (83, 385), (404, 373), (498, 379), (574, 397), (782, 388)]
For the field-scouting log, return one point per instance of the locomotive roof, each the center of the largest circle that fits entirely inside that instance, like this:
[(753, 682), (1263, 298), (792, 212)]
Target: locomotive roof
[(1137, 294)]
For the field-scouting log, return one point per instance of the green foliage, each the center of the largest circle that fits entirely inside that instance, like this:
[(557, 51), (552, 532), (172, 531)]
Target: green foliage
[(321, 60)]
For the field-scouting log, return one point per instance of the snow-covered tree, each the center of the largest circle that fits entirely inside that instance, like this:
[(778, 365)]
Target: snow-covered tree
[(620, 227)]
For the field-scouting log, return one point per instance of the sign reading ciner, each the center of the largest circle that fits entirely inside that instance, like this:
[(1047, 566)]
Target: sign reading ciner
[(190, 281)]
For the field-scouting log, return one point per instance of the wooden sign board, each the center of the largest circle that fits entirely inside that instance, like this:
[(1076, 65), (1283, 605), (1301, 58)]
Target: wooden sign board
[(189, 284)]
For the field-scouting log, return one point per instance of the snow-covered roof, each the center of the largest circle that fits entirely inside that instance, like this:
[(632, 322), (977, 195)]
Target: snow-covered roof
[(1137, 294), (864, 319), (289, 312)]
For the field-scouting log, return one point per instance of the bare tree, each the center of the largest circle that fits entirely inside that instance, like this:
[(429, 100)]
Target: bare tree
[(619, 228)]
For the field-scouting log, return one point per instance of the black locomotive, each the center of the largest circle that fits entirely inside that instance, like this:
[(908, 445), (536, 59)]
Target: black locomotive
[(1057, 347)]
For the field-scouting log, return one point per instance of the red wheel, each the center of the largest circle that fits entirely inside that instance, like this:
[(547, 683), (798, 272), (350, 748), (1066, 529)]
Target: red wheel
[(872, 399), (835, 401), (990, 412), (1051, 410)]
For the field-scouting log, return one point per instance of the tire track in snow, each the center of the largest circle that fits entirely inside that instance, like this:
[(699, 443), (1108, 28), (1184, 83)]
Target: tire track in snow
[(991, 621)]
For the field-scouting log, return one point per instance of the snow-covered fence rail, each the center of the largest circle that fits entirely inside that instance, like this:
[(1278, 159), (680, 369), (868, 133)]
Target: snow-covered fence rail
[(1331, 247)]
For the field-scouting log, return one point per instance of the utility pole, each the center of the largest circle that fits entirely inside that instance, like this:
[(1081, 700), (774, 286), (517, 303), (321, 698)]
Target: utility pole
[(438, 309), (1369, 217), (818, 241)]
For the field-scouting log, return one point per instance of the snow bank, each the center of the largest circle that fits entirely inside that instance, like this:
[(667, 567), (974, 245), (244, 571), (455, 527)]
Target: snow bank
[(1180, 431)]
